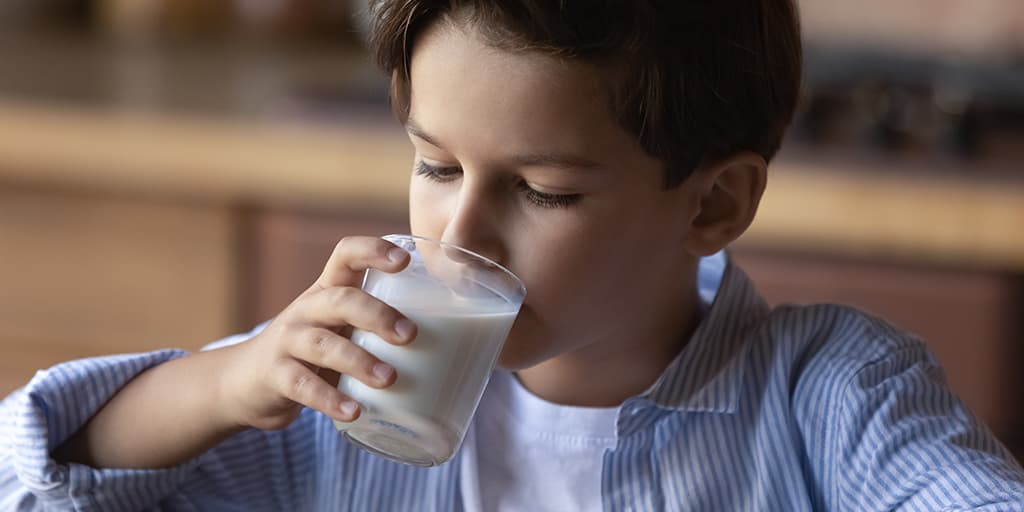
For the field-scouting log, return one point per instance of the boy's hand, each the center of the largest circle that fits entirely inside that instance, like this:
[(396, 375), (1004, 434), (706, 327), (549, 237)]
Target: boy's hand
[(297, 359)]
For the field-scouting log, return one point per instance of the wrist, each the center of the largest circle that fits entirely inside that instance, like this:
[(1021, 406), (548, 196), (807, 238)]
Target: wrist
[(223, 403)]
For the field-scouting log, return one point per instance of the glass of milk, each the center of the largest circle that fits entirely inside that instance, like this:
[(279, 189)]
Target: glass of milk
[(464, 305)]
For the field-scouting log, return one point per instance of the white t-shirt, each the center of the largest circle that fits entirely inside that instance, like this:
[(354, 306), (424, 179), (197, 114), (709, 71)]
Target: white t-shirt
[(526, 454)]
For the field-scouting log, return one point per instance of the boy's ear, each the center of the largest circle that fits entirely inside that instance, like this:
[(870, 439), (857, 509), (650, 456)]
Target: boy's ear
[(728, 192)]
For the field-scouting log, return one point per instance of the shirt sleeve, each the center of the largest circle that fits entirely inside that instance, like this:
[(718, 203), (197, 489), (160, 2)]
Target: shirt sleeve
[(906, 442), (254, 470), (45, 413)]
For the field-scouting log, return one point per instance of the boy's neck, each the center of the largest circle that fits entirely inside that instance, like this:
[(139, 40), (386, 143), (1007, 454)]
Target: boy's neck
[(607, 373)]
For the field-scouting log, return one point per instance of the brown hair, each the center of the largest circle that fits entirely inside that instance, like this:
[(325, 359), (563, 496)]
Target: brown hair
[(693, 80)]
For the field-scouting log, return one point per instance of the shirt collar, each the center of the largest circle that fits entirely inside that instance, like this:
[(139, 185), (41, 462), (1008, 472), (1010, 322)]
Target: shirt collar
[(707, 375)]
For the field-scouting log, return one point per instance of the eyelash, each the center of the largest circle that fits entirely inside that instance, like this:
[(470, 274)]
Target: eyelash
[(446, 174)]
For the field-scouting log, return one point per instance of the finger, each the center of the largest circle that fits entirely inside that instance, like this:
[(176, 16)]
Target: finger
[(347, 306), (354, 254), (325, 349), (301, 385)]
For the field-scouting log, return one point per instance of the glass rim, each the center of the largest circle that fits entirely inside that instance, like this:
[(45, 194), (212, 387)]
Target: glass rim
[(520, 287)]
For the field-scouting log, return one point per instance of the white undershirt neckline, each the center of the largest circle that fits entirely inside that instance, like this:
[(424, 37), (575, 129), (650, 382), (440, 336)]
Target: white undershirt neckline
[(525, 453)]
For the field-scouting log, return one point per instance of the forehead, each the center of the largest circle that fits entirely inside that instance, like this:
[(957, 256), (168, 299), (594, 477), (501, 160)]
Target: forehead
[(468, 92)]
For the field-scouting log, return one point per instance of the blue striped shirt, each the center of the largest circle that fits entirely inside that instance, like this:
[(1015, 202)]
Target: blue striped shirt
[(793, 408)]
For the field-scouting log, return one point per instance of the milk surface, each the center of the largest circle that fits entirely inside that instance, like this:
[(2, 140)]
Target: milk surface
[(441, 375)]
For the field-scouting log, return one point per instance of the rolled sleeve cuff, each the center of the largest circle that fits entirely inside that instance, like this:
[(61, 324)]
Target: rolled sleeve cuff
[(52, 407)]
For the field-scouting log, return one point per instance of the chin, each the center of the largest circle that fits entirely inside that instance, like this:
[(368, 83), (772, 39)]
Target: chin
[(516, 361), (524, 348), (530, 342)]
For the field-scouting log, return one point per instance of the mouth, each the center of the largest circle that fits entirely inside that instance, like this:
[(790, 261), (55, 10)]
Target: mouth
[(524, 309)]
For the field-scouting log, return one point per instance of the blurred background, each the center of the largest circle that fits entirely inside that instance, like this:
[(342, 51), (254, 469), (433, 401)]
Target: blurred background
[(172, 172)]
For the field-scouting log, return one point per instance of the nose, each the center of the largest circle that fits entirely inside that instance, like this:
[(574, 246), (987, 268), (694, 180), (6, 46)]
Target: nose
[(475, 222)]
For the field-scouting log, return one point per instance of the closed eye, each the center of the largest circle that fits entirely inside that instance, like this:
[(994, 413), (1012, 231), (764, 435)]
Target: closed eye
[(434, 173), (548, 200), (534, 196)]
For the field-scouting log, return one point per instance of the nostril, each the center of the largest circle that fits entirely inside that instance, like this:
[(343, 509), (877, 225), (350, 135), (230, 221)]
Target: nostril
[(470, 254), (458, 255)]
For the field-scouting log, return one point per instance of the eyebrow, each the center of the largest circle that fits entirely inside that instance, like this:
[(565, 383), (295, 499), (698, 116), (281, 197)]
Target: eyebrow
[(553, 160)]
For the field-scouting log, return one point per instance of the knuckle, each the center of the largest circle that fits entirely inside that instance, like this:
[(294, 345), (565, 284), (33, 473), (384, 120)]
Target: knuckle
[(349, 294), (346, 294), (346, 245), (292, 379), (275, 344), (293, 319), (300, 381), (342, 295), (342, 245), (321, 342)]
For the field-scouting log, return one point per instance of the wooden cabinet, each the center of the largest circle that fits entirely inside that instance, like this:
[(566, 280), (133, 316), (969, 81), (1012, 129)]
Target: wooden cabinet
[(288, 250), (89, 274)]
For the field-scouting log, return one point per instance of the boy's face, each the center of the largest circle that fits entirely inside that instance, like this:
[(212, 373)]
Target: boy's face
[(518, 158)]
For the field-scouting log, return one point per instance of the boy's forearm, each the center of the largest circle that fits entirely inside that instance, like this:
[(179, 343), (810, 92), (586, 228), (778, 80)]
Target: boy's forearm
[(167, 415)]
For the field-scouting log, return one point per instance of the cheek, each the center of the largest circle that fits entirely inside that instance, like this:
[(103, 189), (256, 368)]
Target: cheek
[(561, 280), (428, 215), (584, 274)]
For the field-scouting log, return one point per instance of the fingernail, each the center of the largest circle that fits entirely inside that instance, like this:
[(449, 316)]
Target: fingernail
[(404, 328), (396, 255), (383, 372), (348, 408)]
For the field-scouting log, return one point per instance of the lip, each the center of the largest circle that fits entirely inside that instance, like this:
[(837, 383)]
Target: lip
[(525, 309)]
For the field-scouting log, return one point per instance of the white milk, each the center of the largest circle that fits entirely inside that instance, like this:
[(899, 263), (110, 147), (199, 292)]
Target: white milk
[(422, 418)]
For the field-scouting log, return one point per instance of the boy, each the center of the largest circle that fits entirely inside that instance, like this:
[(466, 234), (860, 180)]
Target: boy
[(605, 152)]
